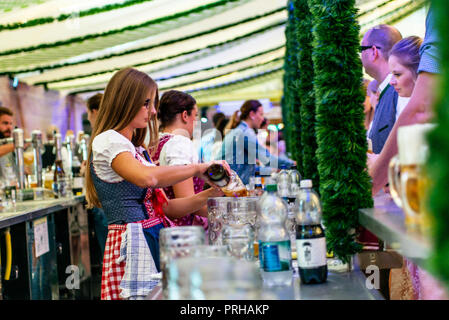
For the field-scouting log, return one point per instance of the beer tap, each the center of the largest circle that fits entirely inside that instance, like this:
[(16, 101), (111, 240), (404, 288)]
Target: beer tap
[(58, 146), (83, 147), (36, 140), (6, 141), (20, 165), (70, 145)]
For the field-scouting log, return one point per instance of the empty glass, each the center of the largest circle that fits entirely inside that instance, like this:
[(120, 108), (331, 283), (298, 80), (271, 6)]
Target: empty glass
[(214, 278), (227, 210), (239, 240), (177, 242)]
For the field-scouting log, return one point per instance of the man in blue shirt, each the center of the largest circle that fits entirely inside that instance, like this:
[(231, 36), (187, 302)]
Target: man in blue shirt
[(376, 44)]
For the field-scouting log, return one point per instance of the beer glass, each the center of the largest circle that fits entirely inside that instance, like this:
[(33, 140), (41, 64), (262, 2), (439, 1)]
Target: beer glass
[(177, 242), (214, 278), (406, 172)]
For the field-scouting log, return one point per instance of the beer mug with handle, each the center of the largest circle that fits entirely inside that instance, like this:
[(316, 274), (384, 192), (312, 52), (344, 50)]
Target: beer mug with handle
[(405, 171)]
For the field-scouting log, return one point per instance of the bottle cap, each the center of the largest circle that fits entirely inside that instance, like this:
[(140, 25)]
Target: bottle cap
[(271, 187), (306, 184)]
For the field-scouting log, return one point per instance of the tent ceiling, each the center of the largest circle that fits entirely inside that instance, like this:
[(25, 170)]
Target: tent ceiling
[(214, 49)]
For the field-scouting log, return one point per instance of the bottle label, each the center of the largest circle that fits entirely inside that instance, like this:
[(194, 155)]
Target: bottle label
[(311, 252), (275, 255), (78, 182)]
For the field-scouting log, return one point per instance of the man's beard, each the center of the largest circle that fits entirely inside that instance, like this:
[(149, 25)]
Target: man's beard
[(5, 134)]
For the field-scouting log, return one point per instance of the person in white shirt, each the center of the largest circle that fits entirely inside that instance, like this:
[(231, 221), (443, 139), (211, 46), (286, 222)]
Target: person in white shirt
[(177, 115), (123, 183)]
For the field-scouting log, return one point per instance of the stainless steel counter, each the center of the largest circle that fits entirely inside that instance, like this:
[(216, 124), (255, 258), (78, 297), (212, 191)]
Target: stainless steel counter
[(34, 209), (339, 286), (386, 221)]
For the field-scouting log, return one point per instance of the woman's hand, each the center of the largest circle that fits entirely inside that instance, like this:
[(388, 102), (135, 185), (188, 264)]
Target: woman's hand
[(214, 192)]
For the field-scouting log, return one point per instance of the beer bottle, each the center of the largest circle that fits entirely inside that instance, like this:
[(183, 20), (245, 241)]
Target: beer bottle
[(258, 187), (78, 180), (218, 175), (310, 237), (59, 175)]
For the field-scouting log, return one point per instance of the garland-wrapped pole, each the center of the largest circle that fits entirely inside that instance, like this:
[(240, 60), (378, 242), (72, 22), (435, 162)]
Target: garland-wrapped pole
[(306, 93), (290, 100), (439, 154), (344, 181)]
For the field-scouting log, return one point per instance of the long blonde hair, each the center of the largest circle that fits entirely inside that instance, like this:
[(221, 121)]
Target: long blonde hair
[(123, 98)]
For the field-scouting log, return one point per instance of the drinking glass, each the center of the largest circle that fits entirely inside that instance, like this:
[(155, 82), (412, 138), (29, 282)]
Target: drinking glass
[(239, 239), (177, 242), (200, 278), (406, 172)]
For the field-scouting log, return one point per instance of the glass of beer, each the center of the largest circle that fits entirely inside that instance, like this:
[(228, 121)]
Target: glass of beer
[(235, 187), (406, 172)]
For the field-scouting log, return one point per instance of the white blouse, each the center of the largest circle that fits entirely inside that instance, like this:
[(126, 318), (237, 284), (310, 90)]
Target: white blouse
[(179, 150), (105, 147)]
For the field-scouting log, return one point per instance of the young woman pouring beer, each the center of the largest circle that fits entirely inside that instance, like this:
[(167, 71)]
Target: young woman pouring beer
[(123, 183)]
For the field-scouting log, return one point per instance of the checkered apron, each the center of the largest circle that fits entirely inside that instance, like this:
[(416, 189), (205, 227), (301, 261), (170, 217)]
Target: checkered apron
[(113, 272)]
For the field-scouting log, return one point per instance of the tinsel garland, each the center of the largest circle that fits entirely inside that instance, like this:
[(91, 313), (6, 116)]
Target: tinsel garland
[(306, 92), (65, 16), (290, 101), (181, 74), (128, 28), (438, 164), (113, 55), (344, 181), (233, 83)]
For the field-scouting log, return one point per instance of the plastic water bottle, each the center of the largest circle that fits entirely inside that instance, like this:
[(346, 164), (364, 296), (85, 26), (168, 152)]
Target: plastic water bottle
[(274, 241), (294, 180), (283, 182), (310, 236)]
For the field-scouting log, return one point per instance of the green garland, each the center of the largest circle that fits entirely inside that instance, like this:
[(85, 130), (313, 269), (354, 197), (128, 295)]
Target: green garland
[(215, 76), (181, 74), (113, 55), (438, 164), (344, 181), (62, 17), (61, 65), (290, 101), (306, 92), (407, 9), (128, 28)]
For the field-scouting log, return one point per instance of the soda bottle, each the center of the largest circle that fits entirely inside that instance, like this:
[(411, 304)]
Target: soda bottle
[(310, 236), (258, 188), (274, 241)]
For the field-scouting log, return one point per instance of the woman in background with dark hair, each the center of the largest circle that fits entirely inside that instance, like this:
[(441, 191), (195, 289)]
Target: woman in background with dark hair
[(240, 146), (177, 114)]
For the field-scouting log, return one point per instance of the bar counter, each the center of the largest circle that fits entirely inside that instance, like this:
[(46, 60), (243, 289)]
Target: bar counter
[(34, 209), (339, 286), (386, 221)]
